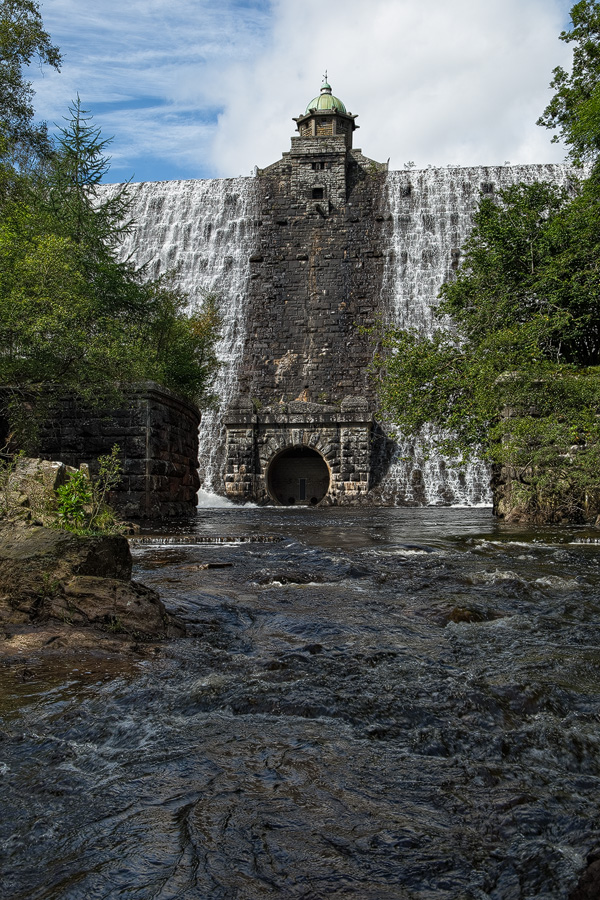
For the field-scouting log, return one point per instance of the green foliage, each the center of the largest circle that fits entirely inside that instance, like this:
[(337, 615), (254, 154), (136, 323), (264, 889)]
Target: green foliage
[(70, 190), (529, 274), (83, 506), (574, 111), (515, 379), (22, 40), (539, 420), (74, 498), (71, 312)]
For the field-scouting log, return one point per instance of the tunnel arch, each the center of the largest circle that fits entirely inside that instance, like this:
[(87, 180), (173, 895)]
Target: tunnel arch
[(298, 475)]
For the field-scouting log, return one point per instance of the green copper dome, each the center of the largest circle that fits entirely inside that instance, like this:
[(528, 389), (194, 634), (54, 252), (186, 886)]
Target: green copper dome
[(326, 100)]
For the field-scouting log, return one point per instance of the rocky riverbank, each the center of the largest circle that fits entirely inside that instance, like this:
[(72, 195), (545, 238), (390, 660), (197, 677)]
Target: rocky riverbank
[(63, 591)]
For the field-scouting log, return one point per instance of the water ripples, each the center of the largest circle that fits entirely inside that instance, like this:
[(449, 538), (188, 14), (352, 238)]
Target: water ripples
[(378, 704)]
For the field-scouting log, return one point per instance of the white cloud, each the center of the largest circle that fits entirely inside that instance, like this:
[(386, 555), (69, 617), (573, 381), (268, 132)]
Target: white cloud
[(432, 81), (205, 89)]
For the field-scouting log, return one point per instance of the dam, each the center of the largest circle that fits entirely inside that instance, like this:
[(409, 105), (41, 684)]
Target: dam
[(305, 256)]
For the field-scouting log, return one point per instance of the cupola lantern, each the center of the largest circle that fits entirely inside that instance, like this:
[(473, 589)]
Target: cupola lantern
[(326, 117)]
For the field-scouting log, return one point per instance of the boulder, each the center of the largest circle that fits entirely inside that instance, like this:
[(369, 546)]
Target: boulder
[(48, 574), (126, 607), (31, 488)]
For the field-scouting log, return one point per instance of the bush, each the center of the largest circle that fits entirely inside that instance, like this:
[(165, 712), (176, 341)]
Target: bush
[(83, 506)]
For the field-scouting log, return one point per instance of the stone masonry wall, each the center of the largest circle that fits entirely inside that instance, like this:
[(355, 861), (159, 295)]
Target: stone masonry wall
[(342, 436), (157, 433), (316, 275)]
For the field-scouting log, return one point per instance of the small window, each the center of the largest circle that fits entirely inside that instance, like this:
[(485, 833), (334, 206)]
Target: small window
[(317, 193)]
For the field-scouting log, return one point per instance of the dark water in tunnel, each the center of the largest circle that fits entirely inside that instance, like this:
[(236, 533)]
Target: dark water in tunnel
[(389, 703)]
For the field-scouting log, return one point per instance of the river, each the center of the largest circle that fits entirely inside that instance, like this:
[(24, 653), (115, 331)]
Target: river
[(369, 704)]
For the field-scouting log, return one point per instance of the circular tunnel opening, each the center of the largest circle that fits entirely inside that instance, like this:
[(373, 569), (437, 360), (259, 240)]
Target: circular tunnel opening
[(298, 476)]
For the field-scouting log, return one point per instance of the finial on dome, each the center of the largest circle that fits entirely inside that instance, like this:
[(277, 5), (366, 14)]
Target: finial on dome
[(326, 100)]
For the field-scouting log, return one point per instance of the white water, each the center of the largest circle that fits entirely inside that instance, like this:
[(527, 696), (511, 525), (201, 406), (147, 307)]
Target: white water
[(203, 229), (432, 212), (208, 500)]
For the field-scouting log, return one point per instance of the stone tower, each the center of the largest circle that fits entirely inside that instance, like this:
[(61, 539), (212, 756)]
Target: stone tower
[(317, 272), (319, 156), (300, 430)]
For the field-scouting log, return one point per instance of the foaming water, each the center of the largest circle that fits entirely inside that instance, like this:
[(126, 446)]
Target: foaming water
[(432, 213), (391, 703), (204, 231), (206, 500)]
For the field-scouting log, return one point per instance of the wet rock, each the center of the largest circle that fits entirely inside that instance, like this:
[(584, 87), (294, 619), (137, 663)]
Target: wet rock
[(588, 886), (47, 574), (127, 607), (313, 649), (463, 614), (469, 615), (35, 561), (358, 572), (280, 578)]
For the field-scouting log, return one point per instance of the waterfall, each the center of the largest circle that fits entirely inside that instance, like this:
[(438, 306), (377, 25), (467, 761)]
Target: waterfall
[(203, 230), (432, 215)]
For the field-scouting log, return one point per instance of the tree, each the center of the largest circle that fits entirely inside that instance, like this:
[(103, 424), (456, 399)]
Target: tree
[(22, 40), (71, 312), (575, 108), (497, 397), (516, 378), (75, 172)]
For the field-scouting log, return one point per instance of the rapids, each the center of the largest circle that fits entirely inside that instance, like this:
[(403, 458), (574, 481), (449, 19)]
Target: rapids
[(388, 703)]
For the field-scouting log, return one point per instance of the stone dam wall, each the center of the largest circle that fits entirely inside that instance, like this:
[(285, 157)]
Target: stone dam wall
[(301, 259)]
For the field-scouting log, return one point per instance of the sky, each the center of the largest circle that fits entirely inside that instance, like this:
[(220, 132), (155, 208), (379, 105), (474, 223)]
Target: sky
[(208, 88)]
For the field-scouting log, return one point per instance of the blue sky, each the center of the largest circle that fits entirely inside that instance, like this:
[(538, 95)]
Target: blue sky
[(204, 89)]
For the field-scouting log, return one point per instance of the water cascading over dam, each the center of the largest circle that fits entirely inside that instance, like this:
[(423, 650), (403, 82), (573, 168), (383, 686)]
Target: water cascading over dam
[(432, 215), (203, 231), (314, 246)]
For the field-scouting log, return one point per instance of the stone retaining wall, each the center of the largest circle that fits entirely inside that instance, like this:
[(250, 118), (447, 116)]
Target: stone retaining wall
[(157, 433)]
